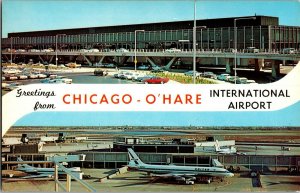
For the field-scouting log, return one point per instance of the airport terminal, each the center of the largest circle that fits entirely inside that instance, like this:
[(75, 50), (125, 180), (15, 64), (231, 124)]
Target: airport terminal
[(168, 44), (101, 158)]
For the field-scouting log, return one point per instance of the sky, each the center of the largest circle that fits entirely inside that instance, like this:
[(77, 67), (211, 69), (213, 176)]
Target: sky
[(35, 15)]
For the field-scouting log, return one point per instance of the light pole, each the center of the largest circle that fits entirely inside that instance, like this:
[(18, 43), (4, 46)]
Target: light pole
[(194, 43), (235, 42), (11, 40), (194, 51), (135, 60), (56, 36)]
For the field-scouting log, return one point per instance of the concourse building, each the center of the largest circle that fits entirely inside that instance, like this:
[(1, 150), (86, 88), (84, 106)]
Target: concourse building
[(263, 32)]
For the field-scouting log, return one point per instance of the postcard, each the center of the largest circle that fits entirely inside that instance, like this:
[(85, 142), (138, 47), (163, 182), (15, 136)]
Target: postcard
[(147, 96)]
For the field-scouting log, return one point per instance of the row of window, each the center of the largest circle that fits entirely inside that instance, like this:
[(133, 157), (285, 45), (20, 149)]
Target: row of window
[(247, 34)]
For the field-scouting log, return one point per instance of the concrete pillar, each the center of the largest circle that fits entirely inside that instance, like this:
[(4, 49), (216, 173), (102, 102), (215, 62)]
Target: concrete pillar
[(87, 59), (150, 60), (217, 61), (229, 68), (259, 63), (101, 59), (124, 59), (276, 68), (170, 63)]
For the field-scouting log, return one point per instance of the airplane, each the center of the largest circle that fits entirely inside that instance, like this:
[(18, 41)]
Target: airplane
[(224, 150), (35, 172), (186, 174)]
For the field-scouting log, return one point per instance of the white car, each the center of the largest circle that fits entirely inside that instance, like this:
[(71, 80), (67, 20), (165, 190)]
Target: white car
[(288, 51), (173, 50), (128, 75), (46, 50), (21, 50), (40, 75), (122, 50), (251, 82), (223, 77), (241, 80), (83, 50), (93, 50), (191, 73), (34, 50), (137, 76)]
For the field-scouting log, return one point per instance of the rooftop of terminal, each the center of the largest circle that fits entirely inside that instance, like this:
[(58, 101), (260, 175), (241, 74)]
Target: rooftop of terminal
[(260, 20)]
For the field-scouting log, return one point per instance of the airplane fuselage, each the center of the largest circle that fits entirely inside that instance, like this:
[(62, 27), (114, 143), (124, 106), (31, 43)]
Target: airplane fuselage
[(187, 170)]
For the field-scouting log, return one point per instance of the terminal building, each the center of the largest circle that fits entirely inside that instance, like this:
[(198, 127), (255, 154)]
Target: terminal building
[(263, 32)]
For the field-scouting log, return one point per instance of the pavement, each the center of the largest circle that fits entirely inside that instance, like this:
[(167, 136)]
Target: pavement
[(140, 182)]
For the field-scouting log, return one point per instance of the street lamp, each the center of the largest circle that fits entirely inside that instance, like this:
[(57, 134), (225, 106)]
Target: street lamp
[(56, 36), (11, 40), (194, 43), (194, 51), (135, 60), (235, 42)]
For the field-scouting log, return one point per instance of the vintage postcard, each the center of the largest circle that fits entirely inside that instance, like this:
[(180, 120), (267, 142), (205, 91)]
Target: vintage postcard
[(147, 96)]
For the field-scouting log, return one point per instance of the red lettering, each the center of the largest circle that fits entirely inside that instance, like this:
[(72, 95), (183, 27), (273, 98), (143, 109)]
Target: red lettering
[(91, 99), (64, 98), (198, 99), (103, 99)]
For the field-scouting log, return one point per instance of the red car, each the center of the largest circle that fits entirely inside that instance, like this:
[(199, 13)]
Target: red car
[(156, 80)]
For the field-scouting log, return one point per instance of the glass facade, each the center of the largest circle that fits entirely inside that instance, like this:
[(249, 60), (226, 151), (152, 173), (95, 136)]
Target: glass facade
[(262, 37)]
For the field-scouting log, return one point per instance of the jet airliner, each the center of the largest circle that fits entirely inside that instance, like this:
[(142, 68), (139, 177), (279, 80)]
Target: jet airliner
[(186, 174)]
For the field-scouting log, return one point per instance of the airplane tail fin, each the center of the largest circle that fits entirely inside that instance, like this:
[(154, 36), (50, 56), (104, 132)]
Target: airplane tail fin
[(134, 160), (217, 146), (23, 165)]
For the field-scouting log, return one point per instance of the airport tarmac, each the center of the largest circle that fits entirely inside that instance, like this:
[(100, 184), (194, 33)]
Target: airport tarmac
[(140, 182)]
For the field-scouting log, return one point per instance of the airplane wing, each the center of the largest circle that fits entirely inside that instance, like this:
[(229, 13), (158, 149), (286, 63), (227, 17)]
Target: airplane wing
[(174, 175), (178, 177), (38, 176)]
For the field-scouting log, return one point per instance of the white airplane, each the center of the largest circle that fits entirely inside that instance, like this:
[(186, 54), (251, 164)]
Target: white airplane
[(35, 172), (187, 174), (224, 150)]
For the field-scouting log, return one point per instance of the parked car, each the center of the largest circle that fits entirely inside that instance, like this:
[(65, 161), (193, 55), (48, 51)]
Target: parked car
[(142, 78), (191, 73), (241, 80), (209, 75), (122, 50), (173, 50), (288, 51), (124, 75), (111, 65), (34, 50), (99, 72), (119, 74), (136, 76), (128, 75), (93, 50), (47, 50), (83, 50), (21, 50), (156, 80), (232, 79), (157, 70), (252, 50), (223, 77), (143, 67), (251, 82)]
